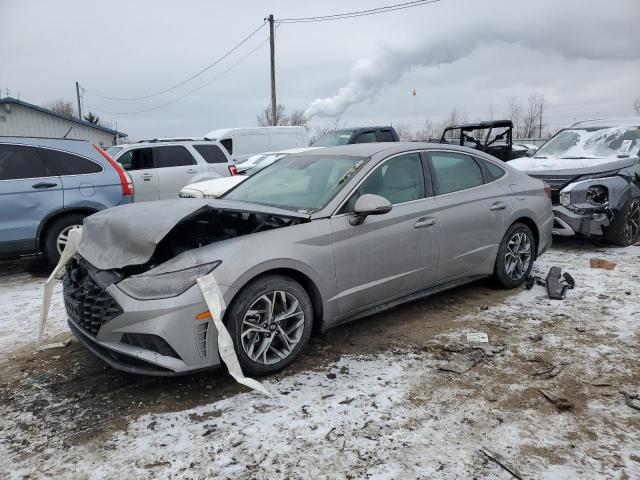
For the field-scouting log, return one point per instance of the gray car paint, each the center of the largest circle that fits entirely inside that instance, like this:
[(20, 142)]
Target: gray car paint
[(348, 270)]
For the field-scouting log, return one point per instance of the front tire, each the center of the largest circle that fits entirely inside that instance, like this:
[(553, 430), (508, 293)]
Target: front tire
[(625, 228), (270, 322), (55, 237), (515, 256)]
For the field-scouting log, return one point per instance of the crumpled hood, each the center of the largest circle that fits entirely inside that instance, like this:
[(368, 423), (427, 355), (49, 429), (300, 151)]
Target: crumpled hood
[(128, 234), (569, 166)]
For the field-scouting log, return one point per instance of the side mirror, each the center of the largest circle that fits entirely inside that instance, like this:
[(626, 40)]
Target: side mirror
[(531, 152), (369, 204)]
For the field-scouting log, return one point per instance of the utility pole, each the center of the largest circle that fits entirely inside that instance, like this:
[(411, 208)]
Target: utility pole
[(272, 45), (79, 104)]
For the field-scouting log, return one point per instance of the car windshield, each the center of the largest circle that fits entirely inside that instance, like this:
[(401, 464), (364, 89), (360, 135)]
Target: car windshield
[(597, 142), (113, 151), (299, 183), (331, 139)]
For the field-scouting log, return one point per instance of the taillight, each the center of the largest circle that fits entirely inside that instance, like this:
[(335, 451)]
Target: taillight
[(233, 170), (547, 190), (125, 180)]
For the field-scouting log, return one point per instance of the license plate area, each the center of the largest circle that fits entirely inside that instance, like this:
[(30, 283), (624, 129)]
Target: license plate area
[(74, 309)]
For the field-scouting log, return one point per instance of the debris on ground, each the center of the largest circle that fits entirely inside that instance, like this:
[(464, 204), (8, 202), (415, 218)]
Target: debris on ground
[(600, 263), (499, 459), (632, 400), (558, 283), (481, 337), (462, 362), (561, 403)]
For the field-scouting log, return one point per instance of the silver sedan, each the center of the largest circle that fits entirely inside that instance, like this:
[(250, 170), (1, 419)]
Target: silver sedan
[(309, 242)]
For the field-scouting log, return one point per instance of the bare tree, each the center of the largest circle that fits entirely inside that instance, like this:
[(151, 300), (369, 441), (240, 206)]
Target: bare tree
[(298, 119), (532, 119), (428, 132), (514, 113), (636, 105), (456, 117), (264, 118), (335, 124), (92, 118), (63, 107), (404, 132)]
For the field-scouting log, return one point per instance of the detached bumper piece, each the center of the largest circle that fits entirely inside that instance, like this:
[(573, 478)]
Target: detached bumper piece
[(557, 283)]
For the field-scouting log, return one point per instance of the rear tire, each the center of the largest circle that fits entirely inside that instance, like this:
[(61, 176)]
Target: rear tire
[(515, 256), (267, 342), (625, 228), (55, 236)]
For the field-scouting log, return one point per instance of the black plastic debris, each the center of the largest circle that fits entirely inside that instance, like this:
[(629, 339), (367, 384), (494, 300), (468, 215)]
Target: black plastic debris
[(557, 283)]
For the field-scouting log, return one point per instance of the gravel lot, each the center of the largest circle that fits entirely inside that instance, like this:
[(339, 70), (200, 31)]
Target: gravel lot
[(372, 399)]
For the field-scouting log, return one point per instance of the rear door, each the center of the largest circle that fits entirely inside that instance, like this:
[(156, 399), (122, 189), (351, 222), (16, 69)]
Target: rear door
[(386, 135), (392, 254), (142, 168), (176, 168), (470, 214), (29, 191), (217, 162)]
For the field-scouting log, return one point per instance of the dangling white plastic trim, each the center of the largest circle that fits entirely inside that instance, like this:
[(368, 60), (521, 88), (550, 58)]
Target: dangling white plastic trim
[(215, 302), (70, 249)]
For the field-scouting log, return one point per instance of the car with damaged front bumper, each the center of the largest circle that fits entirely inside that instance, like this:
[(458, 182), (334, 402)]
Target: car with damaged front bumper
[(310, 242), (593, 169)]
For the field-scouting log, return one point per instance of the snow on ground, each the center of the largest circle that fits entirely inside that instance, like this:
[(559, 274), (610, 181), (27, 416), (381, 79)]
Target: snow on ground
[(396, 414)]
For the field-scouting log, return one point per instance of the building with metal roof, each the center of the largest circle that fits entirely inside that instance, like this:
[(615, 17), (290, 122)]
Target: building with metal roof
[(22, 119)]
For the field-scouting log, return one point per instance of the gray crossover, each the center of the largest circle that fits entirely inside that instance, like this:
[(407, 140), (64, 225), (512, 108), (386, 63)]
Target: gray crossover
[(312, 241)]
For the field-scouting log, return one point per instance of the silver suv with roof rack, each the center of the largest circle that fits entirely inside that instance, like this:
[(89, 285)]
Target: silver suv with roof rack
[(160, 167)]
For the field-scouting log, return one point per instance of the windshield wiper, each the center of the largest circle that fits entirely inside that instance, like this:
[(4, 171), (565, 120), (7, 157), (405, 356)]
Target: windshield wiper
[(350, 172), (538, 156)]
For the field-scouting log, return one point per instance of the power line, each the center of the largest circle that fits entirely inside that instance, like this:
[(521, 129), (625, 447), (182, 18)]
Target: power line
[(360, 13), (208, 67), (243, 58)]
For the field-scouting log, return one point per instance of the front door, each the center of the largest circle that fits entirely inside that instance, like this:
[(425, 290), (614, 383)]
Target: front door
[(142, 168), (391, 254), (470, 214), (29, 191)]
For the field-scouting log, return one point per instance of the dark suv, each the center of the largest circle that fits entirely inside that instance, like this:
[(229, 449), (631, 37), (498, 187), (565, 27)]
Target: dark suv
[(347, 136), (48, 186)]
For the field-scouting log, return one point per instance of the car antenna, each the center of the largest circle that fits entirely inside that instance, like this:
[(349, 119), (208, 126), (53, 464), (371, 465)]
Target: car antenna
[(68, 131)]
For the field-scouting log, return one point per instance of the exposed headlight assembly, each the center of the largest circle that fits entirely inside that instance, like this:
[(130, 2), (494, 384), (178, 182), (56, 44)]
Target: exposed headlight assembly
[(164, 285), (565, 198), (598, 195)]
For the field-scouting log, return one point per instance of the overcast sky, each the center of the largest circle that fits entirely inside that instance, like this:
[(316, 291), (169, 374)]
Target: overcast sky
[(584, 56)]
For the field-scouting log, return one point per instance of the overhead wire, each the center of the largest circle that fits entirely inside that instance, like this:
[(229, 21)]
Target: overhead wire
[(359, 13)]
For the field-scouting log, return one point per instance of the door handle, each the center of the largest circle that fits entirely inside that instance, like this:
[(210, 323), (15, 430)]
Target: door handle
[(498, 206), (44, 185), (191, 170), (424, 222)]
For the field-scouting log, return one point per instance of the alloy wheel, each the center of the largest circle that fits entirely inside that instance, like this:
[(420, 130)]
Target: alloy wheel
[(633, 222), (517, 258), (272, 327), (63, 238)]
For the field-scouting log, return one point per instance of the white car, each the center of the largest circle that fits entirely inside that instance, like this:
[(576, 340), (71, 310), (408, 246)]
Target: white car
[(216, 187), (159, 168)]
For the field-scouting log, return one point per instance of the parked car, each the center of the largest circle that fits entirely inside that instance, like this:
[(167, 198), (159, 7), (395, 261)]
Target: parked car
[(48, 186), (593, 169), (349, 136), (161, 167), (494, 137), (241, 143), (216, 187), (314, 240)]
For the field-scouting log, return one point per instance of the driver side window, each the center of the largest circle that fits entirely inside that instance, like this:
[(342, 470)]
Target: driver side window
[(399, 180)]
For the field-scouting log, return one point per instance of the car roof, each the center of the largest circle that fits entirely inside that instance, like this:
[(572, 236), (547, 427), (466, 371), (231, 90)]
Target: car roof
[(608, 122), (38, 140), (371, 149)]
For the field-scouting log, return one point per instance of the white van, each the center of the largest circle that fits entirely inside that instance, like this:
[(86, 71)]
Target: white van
[(241, 143)]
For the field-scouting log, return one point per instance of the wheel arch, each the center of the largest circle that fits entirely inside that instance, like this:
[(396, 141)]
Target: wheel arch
[(304, 280)]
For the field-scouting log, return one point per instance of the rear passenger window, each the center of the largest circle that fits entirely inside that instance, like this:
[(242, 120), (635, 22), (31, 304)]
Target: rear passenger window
[(18, 162), (492, 172), (137, 159), (64, 163), (227, 143), (211, 153), (366, 137), (173, 156), (386, 136), (454, 172)]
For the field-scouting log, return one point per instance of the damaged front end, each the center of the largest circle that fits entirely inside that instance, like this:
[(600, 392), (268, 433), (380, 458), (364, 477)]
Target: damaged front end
[(591, 203), (131, 292)]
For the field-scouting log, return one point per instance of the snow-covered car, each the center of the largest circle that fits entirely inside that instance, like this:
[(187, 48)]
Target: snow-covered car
[(593, 168), (216, 187)]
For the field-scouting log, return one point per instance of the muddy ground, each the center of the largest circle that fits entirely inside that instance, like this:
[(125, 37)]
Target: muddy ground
[(583, 349)]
